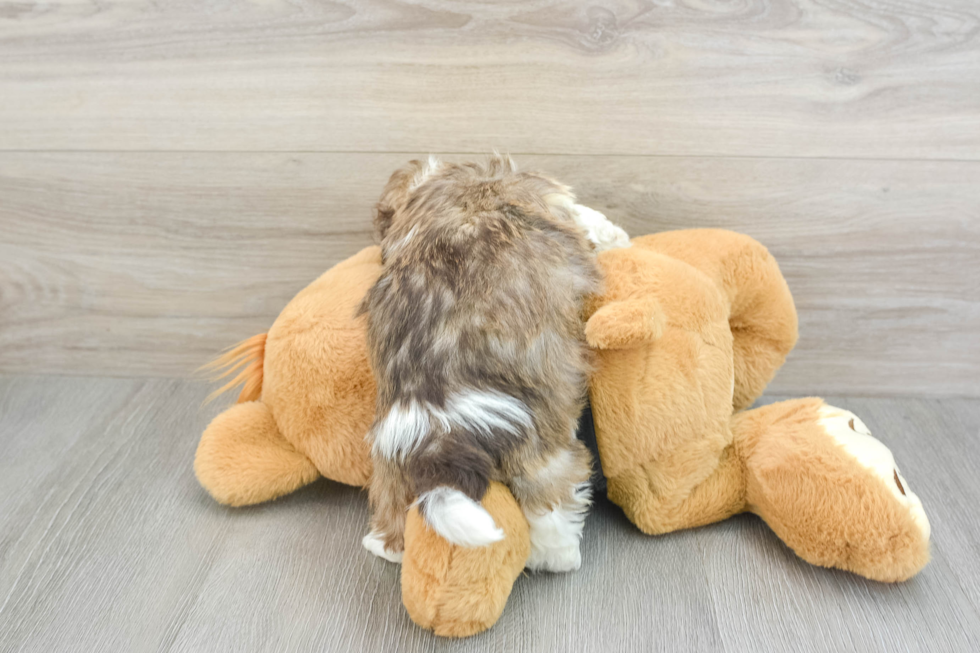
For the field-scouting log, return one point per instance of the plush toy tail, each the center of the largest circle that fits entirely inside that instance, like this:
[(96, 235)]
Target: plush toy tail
[(248, 354)]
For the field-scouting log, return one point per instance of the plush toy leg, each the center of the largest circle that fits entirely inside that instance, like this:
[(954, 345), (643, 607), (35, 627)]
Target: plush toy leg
[(662, 496), (242, 458), (456, 591), (831, 491), (763, 317)]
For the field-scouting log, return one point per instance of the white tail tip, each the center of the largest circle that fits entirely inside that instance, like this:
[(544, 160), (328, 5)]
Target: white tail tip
[(458, 518)]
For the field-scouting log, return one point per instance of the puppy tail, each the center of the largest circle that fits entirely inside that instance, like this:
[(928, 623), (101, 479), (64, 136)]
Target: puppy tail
[(458, 518)]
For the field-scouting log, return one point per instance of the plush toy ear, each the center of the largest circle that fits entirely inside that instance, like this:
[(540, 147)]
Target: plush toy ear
[(624, 324)]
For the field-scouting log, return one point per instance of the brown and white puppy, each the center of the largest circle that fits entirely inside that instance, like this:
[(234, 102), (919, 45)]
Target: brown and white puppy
[(477, 344)]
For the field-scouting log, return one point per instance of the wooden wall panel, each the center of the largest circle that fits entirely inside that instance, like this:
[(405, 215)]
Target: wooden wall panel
[(756, 77), (138, 264)]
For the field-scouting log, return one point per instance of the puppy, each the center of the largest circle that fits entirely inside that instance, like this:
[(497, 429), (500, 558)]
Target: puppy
[(476, 341)]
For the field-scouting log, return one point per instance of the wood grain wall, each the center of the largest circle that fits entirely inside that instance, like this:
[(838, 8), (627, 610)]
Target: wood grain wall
[(172, 173)]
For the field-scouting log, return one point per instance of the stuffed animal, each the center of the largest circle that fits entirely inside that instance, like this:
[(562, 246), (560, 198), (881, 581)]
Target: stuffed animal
[(691, 327)]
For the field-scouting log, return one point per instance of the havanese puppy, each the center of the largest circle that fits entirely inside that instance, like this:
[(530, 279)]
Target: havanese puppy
[(477, 344)]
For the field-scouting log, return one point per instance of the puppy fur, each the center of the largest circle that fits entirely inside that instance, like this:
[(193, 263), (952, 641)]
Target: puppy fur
[(477, 344)]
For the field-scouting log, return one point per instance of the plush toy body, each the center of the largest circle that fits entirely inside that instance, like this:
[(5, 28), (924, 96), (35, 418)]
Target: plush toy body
[(690, 329)]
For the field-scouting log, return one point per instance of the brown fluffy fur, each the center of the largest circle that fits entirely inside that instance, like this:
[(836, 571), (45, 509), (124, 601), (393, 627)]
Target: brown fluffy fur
[(481, 292)]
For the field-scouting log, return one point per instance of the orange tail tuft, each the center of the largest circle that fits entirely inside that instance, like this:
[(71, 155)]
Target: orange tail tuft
[(249, 354)]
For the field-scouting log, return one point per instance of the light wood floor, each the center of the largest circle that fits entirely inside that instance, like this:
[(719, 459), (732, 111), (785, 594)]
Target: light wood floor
[(109, 544), (171, 173)]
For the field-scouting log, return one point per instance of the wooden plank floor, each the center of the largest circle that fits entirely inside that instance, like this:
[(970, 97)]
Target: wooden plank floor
[(108, 544)]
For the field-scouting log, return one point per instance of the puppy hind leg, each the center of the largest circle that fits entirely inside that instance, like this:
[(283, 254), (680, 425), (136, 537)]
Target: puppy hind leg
[(555, 498), (390, 497)]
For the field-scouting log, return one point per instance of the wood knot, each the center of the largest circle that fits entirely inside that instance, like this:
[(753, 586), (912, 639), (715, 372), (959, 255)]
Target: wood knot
[(603, 26), (846, 77)]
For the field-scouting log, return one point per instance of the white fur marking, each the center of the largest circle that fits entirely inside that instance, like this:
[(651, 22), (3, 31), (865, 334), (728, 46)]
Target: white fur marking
[(459, 519), (874, 456), (431, 165), (373, 543), (565, 200), (480, 411), (401, 430), (598, 228), (555, 468), (484, 411), (555, 534)]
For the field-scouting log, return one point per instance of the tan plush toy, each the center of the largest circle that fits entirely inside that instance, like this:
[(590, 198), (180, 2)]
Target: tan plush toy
[(691, 328)]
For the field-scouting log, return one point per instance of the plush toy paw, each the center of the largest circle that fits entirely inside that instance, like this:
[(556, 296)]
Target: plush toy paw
[(850, 432), (243, 458), (373, 543), (626, 324)]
